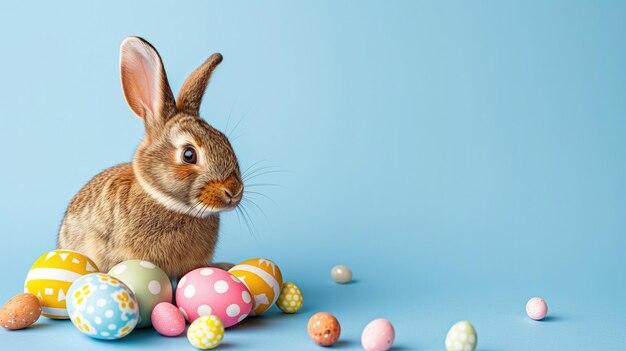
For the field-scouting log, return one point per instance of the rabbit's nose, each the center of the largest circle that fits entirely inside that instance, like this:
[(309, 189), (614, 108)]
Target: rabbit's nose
[(228, 194), (232, 190), (231, 196)]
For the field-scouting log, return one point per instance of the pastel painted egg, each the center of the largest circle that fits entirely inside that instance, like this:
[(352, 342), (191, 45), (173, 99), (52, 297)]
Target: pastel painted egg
[(51, 276), (167, 319), (263, 278), (20, 312), (461, 337), (290, 299), (102, 307), (149, 283), (324, 329), (536, 308), (206, 291), (378, 335), (206, 332)]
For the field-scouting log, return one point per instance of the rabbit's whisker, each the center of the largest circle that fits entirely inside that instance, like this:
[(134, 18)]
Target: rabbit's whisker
[(247, 219), (258, 208), (260, 184), (195, 208), (250, 177), (256, 170), (192, 207), (228, 120), (204, 208), (201, 210), (237, 125), (260, 194), (240, 215), (253, 164)]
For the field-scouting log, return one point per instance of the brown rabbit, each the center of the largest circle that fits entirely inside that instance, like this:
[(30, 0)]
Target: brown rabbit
[(164, 206)]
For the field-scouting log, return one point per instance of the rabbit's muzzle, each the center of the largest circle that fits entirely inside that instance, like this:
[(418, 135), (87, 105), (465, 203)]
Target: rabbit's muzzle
[(222, 195)]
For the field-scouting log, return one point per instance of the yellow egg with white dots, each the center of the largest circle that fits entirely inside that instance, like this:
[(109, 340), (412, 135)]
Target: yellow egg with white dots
[(290, 299), (206, 332)]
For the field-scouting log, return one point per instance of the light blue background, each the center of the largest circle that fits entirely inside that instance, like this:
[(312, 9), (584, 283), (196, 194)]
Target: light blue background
[(461, 157)]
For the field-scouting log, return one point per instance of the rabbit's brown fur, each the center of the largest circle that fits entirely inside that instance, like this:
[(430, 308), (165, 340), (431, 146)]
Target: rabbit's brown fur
[(160, 207)]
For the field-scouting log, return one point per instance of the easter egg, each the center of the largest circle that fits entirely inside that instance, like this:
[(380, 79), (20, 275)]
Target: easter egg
[(378, 335), (536, 308), (206, 291), (206, 332), (290, 299), (102, 307), (341, 274), (20, 312), (51, 276), (461, 337), (167, 319), (263, 278), (324, 329), (148, 282)]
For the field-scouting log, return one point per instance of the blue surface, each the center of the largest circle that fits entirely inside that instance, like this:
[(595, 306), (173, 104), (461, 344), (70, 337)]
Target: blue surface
[(461, 157)]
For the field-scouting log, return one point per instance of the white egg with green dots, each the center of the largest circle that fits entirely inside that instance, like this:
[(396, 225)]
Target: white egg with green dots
[(149, 283), (461, 337)]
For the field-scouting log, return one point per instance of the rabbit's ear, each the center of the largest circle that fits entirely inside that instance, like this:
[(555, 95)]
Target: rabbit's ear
[(144, 83), (190, 95)]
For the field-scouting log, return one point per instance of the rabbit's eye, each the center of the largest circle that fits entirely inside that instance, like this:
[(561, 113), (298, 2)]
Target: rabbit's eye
[(189, 155)]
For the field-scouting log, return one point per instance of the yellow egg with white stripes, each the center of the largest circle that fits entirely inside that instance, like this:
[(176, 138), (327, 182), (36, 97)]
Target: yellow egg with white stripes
[(206, 332), (263, 278), (290, 299), (51, 276)]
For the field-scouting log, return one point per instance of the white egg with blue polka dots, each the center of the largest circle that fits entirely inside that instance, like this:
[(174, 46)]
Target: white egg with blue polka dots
[(102, 307)]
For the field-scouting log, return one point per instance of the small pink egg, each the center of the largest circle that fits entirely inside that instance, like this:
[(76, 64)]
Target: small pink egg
[(378, 335), (536, 308), (167, 319)]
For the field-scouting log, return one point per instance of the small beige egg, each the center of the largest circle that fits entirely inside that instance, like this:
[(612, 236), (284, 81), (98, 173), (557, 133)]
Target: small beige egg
[(341, 274), (20, 312)]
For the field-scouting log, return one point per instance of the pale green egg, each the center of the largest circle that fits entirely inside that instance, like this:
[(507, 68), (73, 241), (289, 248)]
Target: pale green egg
[(148, 282), (461, 337)]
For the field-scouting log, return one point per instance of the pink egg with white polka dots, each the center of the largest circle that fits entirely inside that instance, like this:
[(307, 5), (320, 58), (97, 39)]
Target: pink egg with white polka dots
[(206, 291)]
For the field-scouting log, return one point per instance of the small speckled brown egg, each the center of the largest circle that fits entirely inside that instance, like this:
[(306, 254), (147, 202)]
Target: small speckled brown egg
[(20, 311), (324, 329)]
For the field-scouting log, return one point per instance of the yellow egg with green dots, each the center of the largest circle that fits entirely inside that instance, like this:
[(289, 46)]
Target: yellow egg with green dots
[(206, 332), (290, 299)]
